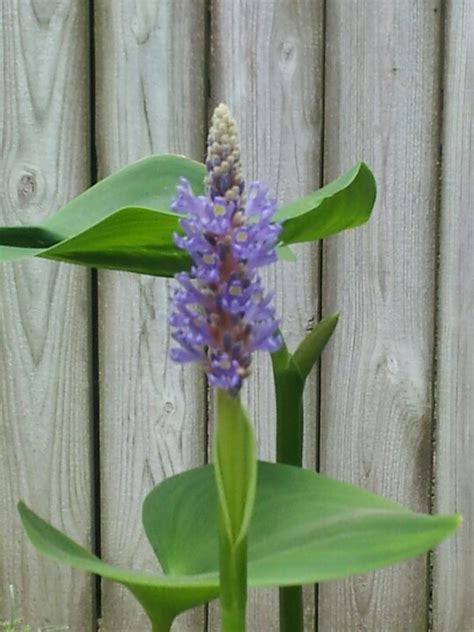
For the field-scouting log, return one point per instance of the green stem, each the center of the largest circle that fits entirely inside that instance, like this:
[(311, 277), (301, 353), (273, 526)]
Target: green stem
[(235, 470), (290, 373), (290, 451), (291, 609), (289, 405), (233, 581), (289, 386)]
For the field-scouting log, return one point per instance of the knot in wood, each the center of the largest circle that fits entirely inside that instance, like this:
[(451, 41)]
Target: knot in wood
[(26, 187)]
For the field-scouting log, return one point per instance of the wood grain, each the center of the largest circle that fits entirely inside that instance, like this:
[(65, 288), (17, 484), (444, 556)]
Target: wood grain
[(44, 310), (453, 607), (150, 99), (266, 64), (382, 96)]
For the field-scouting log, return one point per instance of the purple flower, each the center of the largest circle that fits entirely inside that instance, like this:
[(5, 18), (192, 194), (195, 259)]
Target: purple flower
[(221, 312)]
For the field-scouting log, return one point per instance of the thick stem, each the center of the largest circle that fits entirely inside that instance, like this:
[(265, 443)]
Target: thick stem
[(289, 404), (235, 469), (291, 609), (233, 580), (290, 451)]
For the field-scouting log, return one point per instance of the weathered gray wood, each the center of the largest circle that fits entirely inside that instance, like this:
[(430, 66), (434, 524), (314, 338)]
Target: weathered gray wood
[(150, 97), (381, 105), (44, 318), (266, 65), (453, 606)]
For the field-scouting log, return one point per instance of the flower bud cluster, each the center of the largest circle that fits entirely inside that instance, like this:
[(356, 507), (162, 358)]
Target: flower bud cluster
[(224, 173), (221, 311)]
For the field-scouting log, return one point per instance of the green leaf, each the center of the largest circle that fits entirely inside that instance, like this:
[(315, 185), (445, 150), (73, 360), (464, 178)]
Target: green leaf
[(133, 239), (311, 348), (162, 596), (148, 184), (305, 528), (35, 237), (141, 242), (344, 203)]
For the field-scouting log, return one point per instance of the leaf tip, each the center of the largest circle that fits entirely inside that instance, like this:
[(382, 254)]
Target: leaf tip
[(333, 317), (363, 166)]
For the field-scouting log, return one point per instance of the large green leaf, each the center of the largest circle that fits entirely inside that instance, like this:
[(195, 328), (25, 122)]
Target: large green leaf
[(133, 239), (78, 233), (124, 222), (344, 203), (305, 528)]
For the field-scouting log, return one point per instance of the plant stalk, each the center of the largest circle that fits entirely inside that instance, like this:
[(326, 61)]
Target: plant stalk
[(233, 581), (290, 372), (289, 405), (290, 451), (235, 467)]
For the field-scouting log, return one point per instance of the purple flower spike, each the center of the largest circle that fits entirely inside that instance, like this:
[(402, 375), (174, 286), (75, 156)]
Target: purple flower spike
[(221, 312)]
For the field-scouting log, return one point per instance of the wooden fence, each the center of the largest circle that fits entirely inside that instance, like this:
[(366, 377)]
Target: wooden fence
[(93, 413)]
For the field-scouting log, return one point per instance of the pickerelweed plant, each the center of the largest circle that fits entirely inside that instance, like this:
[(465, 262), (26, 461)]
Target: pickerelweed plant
[(220, 528)]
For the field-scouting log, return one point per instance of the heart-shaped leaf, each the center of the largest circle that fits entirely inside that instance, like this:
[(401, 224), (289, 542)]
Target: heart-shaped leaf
[(305, 528)]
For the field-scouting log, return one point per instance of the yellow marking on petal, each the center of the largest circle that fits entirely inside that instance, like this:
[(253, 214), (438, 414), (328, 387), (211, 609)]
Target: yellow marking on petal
[(209, 259), (219, 210), (241, 236), (225, 364), (235, 290)]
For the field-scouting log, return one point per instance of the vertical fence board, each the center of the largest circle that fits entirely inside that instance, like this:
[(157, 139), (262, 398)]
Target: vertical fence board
[(267, 66), (44, 320), (150, 97), (376, 418), (453, 607)]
